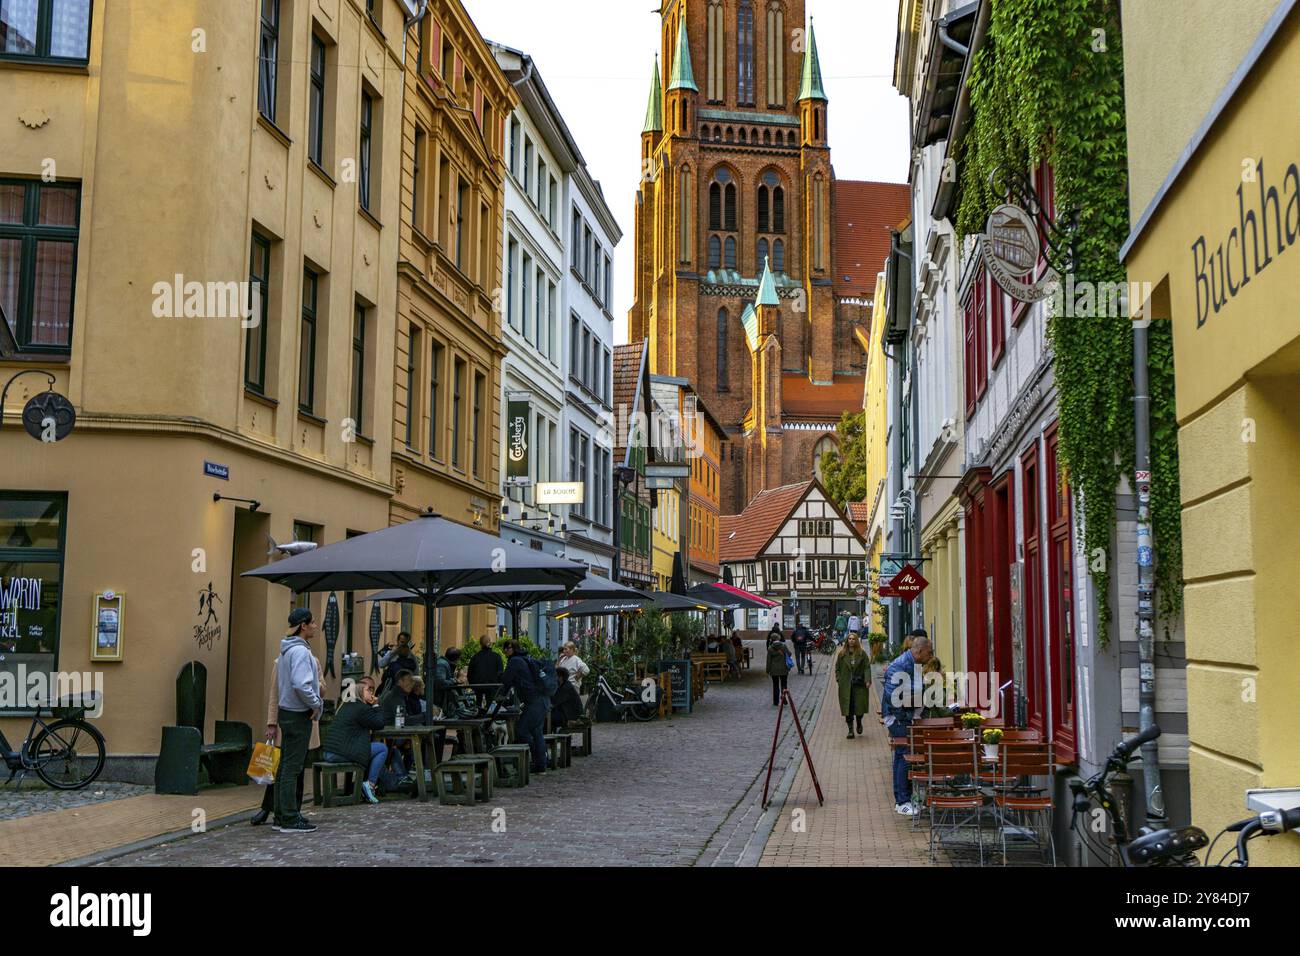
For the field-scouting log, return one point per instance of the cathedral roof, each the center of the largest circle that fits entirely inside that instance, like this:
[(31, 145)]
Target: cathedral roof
[(683, 77), (749, 319), (654, 111), (741, 537), (767, 287), (802, 400), (811, 87), (864, 214)]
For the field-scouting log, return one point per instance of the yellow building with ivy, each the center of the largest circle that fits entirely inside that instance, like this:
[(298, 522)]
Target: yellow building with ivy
[(1214, 159)]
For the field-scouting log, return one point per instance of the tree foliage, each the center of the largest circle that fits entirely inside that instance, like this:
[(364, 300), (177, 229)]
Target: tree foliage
[(844, 471)]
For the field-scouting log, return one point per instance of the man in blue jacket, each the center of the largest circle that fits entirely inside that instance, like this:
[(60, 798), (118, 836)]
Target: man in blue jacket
[(899, 703), (299, 704), (530, 728)]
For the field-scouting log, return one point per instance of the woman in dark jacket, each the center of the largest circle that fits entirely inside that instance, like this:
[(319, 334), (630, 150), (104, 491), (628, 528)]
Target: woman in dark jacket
[(566, 705), (348, 738), (853, 675), (778, 665)]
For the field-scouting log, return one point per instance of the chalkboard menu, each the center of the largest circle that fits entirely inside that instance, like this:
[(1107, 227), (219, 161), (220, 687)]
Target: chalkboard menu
[(681, 671)]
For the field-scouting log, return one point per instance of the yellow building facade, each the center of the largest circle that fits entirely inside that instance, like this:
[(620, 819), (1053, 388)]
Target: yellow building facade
[(446, 408), (875, 404), (197, 241), (1215, 229)]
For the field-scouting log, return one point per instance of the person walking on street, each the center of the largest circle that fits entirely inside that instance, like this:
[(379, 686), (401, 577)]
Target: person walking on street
[(901, 700), (530, 727), (272, 734), (855, 625), (802, 638), (300, 706), (853, 675), (485, 667), (778, 665)]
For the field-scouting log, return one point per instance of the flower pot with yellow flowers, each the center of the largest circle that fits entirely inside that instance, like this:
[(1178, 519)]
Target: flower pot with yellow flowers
[(990, 739)]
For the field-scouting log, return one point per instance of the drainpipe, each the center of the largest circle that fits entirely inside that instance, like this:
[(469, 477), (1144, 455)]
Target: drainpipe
[(1155, 796), (948, 41), (416, 16)]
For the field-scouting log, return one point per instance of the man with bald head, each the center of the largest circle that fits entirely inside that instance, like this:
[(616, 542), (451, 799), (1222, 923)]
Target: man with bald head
[(900, 701)]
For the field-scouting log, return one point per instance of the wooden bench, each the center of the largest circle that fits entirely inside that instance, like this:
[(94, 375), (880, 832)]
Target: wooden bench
[(559, 753), (513, 762), (581, 726), (454, 782), (483, 773), (182, 754), (325, 783)]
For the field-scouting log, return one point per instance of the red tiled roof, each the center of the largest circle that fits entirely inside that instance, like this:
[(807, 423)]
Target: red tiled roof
[(627, 367), (859, 511), (740, 537), (864, 214), (800, 398)]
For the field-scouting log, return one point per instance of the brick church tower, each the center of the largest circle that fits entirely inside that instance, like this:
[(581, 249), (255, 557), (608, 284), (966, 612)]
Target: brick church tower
[(737, 192)]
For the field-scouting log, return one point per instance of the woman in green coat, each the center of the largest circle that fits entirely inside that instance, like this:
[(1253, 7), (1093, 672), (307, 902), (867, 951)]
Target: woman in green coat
[(853, 674)]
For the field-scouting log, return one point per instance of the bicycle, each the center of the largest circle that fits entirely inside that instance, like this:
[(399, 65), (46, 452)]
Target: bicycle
[(57, 752), (1167, 846), (631, 703)]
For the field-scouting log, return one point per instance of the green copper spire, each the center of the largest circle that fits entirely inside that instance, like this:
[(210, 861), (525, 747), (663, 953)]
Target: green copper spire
[(811, 88), (767, 287), (683, 77), (654, 111)]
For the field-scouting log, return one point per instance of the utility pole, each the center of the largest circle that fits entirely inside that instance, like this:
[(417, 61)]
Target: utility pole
[(1155, 796)]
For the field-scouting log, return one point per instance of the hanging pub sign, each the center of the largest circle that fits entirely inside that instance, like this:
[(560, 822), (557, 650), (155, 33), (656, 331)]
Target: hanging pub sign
[(1011, 253), (518, 438)]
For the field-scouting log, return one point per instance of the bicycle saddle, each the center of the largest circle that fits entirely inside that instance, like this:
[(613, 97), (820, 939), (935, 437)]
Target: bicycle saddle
[(1168, 844)]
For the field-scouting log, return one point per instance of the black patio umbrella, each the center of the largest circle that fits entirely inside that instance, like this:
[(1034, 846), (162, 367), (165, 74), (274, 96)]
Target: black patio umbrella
[(429, 558), (517, 599)]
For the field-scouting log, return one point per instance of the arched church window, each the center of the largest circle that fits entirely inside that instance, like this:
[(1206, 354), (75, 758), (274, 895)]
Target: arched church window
[(730, 247), (745, 53), (776, 46), (762, 255), (717, 55), (715, 252), (724, 319), (715, 206), (778, 256)]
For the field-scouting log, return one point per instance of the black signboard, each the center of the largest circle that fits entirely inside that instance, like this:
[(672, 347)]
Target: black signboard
[(681, 671)]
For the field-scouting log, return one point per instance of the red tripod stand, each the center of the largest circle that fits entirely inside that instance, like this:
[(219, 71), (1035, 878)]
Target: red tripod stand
[(786, 701)]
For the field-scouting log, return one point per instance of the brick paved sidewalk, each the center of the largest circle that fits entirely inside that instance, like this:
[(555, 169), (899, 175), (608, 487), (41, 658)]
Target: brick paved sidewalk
[(858, 825)]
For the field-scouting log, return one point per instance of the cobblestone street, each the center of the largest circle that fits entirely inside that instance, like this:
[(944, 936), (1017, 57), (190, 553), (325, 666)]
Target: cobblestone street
[(680, 792)]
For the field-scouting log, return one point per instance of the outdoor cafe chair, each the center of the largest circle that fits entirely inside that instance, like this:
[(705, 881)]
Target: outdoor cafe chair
[(1022, 809), (955, 803), (918, 771)]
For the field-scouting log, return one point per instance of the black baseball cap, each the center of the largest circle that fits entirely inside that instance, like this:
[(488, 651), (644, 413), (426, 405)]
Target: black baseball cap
[(300, 616)]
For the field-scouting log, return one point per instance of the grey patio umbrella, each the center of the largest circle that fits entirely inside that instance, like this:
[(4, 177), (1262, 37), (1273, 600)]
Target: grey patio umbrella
[(429, 558), (658, 601), (516, 599)]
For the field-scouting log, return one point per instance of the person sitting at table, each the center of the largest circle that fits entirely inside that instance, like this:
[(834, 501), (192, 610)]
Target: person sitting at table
[(485, 667), (348, 738), (566, 705), (729, 649), (711, 645), (394, 659)]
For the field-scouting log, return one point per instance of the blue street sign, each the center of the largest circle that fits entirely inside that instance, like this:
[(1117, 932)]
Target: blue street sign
[(213, 470)]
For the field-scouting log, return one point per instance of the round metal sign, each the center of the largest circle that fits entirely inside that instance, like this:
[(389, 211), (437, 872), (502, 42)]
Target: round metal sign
[(1011, 251), (49, 417)]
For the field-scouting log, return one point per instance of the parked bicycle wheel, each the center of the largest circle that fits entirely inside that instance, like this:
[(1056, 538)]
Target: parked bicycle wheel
[(828, 647), (68, 754)]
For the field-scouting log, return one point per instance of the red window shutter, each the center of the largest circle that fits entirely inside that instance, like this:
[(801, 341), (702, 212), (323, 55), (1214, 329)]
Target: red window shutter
[(970, 354), (478, 107), (435, 48), (997, 320), (981, 334), (457, 71)]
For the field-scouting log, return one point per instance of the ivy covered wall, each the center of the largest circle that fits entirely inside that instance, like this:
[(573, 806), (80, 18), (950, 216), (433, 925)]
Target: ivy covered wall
[(1048, 85)]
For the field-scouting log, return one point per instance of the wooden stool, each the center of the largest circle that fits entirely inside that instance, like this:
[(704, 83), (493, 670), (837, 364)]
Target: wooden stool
[(512, 762), (558, 751), (323, 772), (581, 726), (484, 771), (454, 781)]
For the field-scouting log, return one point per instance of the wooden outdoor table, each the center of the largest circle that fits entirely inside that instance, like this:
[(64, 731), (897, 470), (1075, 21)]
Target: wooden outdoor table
[(476, 725), (421, 737)]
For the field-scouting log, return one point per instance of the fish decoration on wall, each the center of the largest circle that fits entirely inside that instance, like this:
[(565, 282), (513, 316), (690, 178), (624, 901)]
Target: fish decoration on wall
[(331, 632), (376, 628)]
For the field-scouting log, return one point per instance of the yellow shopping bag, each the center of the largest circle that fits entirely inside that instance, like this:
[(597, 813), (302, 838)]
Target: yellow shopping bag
[(265, 762)]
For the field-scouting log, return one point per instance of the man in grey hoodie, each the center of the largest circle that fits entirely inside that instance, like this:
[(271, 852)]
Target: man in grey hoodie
[(299, 704)]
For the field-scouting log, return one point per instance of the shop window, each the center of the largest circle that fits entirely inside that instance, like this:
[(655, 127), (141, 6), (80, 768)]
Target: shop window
[(997, 322), (981, 334), (31, 582)]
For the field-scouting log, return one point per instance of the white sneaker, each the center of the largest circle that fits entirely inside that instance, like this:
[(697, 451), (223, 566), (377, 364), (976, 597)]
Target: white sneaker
[(905, 809)]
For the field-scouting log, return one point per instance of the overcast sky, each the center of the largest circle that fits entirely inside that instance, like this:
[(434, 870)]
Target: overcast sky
[(596, 56)]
